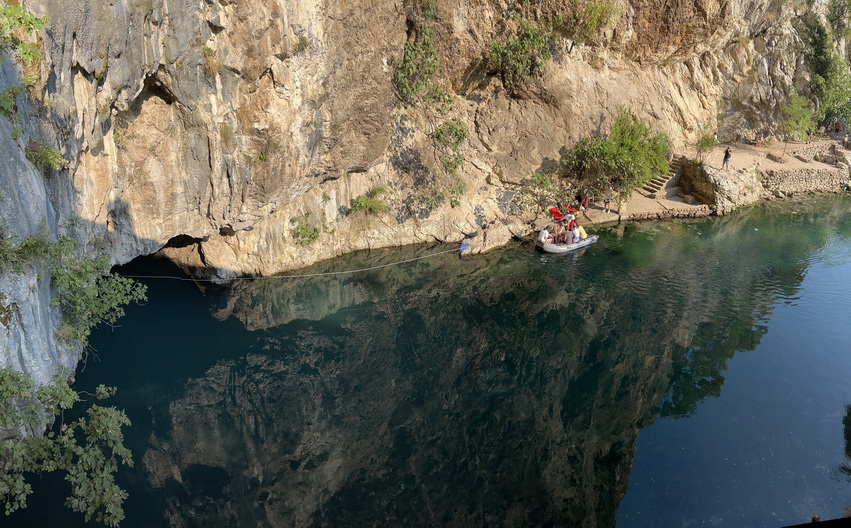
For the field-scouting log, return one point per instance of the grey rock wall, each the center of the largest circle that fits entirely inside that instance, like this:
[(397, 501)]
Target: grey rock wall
[(27, 322)]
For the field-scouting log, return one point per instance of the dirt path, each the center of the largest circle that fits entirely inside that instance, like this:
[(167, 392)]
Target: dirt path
[(743, 156)]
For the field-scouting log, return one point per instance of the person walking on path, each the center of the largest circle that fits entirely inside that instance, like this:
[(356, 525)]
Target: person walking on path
[(727, 155)]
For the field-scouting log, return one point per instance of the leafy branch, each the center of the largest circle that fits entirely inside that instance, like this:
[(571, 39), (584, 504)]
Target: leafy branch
[(15, 20)]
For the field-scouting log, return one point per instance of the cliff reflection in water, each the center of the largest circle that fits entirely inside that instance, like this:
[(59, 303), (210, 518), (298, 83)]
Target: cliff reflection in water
[(506, 390)]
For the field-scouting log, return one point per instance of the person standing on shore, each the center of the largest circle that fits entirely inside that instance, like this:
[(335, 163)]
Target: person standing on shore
[(727, 156), (608, 199)]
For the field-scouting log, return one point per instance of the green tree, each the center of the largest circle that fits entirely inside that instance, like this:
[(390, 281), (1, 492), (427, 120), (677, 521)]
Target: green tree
[(704, 144), (88, 449), (13, 21), (831, 77), (834, 91), (799, 117), (631, 155)]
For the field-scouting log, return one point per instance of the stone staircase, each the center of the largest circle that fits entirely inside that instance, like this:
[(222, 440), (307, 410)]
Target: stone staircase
[(656, 188)]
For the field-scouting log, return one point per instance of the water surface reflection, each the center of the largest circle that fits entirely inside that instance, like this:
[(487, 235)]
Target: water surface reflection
[(506, 390)]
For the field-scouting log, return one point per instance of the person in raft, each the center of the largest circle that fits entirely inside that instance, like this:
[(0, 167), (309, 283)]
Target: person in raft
[(573, 234), (727, 156), (581, 230), (545, 236)]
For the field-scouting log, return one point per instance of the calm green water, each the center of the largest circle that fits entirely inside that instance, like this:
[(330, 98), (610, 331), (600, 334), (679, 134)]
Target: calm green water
[(673, 374)]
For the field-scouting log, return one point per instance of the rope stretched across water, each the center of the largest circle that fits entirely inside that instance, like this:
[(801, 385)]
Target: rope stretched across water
[(295, 276)]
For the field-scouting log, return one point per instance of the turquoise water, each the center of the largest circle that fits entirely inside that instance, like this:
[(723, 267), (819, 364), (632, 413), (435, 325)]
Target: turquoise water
[(673, 374)]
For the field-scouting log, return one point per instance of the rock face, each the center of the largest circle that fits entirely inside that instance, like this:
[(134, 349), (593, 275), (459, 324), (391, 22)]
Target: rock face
[(27, 342), (238, 135), (215, 124)]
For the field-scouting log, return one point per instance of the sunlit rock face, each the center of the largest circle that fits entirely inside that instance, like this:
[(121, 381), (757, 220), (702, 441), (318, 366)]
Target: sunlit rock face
[(228, 124)]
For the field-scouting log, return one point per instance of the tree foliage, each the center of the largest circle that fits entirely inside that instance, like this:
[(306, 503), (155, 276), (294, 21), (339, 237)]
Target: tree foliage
[(632, 154), (834, 91), (799, 116), (704, 144), (523, 56), (16, 20), (87, 294), (88, 449), (831, 78), (84, 290)]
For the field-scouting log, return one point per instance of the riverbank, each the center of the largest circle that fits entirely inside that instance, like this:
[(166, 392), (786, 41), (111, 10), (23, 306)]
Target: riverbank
[(773, 170)]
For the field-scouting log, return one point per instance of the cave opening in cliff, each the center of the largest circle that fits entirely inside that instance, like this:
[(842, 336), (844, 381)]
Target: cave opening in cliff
[(183, 241), (154, 87)]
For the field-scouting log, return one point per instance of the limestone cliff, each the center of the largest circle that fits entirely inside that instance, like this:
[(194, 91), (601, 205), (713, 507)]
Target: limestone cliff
[(215, 128)]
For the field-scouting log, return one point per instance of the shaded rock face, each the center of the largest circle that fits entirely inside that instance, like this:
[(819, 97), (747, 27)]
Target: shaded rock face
[(27, 321)]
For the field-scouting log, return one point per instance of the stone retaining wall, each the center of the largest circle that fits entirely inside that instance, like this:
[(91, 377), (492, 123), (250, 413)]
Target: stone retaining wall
[(813, 151), (667, 214), (821, 179)]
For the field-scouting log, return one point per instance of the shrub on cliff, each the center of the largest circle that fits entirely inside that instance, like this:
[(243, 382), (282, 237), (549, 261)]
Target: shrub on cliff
[(416, 74), (369, 203), (43, 157), (632, 154), (590, 20), (449, 136), (87, 293), (84, 290), (523, 56)]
